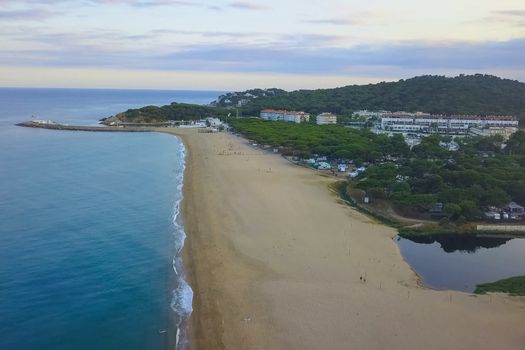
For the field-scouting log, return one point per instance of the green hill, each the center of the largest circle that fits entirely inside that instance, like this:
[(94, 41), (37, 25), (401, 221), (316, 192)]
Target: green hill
[(464, 94), (173, 111)]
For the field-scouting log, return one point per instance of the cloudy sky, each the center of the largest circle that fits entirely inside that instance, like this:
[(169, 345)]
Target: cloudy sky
[(232, 45)]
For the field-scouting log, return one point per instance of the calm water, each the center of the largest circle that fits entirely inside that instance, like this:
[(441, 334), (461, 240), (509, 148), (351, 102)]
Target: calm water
[(88, 229), (462, 262)]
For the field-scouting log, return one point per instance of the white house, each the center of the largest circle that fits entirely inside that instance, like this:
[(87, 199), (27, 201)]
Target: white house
[(326, 118)]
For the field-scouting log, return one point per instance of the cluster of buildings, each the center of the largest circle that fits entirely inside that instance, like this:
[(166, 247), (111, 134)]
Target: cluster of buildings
[(322, 163), (297, 117), (412, 122), (212, 124), (511, 211), (426, 123), (42, 122)]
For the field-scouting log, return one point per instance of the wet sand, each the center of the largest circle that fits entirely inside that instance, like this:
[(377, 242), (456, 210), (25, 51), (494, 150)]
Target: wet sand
[(276, 261)]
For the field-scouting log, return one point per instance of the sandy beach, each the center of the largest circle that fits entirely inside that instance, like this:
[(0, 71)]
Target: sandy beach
[(276, 261)]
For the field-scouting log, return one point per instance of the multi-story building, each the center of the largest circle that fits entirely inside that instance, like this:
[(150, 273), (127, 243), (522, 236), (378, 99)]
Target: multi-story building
[(444, 124), (368, 114), (287, 116), (505, 132), (326, 118)]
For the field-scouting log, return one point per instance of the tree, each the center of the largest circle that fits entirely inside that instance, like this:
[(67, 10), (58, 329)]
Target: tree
[(516, 143), (494, 196), (453, 210), (469, 209)]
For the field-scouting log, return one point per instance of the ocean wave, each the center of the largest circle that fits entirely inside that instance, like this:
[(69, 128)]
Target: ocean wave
[(182, 295), (182, 299)]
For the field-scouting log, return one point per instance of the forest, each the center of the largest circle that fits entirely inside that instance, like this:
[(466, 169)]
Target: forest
[(173, 111), (465, 94), (484, 171)]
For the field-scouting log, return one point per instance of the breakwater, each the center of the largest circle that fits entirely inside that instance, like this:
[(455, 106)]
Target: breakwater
[(55, 126)]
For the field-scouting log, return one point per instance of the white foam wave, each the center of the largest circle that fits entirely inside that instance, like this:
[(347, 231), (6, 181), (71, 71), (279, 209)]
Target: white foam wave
[(182, 302), (182, 296)]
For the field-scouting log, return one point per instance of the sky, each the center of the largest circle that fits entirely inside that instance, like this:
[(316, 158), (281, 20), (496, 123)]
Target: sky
[(235, 45)]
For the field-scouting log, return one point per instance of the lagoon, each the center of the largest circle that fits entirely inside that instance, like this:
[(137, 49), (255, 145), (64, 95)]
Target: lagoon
[(460, 262)]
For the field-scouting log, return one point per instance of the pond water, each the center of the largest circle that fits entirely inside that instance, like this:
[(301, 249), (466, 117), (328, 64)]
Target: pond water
[(460, 262)]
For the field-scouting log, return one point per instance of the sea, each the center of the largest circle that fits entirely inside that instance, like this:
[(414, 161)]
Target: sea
[(90, 231)]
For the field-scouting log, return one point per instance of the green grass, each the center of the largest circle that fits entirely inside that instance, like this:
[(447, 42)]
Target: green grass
[(513, 286)]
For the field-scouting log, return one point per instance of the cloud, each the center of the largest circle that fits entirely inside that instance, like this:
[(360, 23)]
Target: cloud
[(154, 3), (135, 3), (299, 58), (332, 21), (26, 15), (231, 52), (513, 17), (517, 13), (245, 5)]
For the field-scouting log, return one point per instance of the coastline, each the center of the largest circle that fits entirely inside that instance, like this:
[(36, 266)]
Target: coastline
[(181, 292), (288, 275)]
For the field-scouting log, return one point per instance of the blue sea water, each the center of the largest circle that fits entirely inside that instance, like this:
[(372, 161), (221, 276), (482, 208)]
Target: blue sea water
[(89, 229)]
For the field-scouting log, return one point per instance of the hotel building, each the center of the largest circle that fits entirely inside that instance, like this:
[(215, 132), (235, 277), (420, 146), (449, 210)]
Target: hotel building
[(287, 116), (451, 124)]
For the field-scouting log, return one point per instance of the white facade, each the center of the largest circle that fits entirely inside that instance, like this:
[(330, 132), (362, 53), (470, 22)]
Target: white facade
[(368, 114), (214, 122), (326, 118), (505, 132), (456, 124), (197, 124), (287, 116)]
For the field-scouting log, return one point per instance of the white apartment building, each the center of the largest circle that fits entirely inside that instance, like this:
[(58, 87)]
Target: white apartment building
[(453, 124), (368, 114), (326, 118), (287, 116)]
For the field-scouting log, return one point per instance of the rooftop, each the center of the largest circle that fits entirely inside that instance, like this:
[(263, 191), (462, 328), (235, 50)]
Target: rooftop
[(281, 111), (454, 116)]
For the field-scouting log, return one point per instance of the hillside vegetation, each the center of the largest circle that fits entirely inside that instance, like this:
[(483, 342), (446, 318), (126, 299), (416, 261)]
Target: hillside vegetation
[(464, 94), (513, 286), (174, 111)]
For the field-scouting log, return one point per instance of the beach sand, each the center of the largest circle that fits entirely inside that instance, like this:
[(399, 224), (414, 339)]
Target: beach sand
[(276, 261)]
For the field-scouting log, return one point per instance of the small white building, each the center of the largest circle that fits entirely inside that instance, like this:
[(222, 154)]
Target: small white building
[(197, 124), (214, 122), (324, 166), (326, 118)]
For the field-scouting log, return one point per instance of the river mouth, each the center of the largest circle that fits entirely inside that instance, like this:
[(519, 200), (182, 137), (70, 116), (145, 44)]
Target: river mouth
[(461, 262)]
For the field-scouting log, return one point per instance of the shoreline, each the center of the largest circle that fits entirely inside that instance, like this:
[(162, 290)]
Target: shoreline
[(254, 288), (276, 260), (181, 292)]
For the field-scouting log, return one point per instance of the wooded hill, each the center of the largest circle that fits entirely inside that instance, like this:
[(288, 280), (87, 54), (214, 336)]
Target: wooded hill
[(465, 94), (174, 111)]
